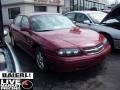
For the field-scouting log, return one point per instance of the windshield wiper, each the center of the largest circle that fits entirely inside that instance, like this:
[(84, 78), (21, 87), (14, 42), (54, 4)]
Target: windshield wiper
[(43, 30)]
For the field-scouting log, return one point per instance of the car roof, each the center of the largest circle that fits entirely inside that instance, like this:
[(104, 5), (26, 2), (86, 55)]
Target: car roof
[(39, 13), (84, 12)]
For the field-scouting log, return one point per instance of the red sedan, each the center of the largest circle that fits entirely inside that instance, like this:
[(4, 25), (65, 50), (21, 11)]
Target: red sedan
[(56, 43)]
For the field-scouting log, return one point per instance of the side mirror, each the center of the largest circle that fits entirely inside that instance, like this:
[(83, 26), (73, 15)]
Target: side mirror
[(5, 33), (87, 22), (25, 29), (74, 22)]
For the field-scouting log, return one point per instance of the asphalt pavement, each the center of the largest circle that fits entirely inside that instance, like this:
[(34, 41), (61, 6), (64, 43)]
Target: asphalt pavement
[(103, 77)]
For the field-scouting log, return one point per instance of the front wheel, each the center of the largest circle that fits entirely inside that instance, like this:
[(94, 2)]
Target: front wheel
[(40, 60)]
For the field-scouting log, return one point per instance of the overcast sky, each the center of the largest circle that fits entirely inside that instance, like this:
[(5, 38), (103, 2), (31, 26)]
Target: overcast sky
[(112, 1)]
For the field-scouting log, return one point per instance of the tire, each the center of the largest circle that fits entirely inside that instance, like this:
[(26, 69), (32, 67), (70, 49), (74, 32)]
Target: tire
[(13, 41), (40, 60)]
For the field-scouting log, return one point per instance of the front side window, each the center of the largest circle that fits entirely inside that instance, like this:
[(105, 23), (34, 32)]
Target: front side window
[(17, 21), (25, 22), (81, 18), (13, 12), (50, 22)]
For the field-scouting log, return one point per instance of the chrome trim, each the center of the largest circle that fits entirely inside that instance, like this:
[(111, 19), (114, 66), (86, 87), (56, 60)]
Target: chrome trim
[(94, 49)]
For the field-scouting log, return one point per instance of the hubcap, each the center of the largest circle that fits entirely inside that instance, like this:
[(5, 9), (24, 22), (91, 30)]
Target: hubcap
[(40, 60)]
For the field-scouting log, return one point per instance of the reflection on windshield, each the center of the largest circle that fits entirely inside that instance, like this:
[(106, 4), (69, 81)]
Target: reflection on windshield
[(97, 17), (50, 22)]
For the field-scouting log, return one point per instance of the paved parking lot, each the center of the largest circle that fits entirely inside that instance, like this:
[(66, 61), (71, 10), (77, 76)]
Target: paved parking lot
[(104, 77)]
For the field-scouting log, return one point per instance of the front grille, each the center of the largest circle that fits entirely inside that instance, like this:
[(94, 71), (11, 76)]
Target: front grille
[(93, 49)]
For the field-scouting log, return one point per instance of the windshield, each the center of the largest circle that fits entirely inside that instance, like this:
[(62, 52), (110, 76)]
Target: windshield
[(50, 22), (97, 17)]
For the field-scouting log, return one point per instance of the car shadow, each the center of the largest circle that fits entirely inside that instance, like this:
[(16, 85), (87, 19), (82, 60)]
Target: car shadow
[(52, 79), (116, 51)]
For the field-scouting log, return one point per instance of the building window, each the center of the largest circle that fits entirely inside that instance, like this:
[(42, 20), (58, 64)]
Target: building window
[(40, 8), (85, 5), (13, 12), (58, 9)]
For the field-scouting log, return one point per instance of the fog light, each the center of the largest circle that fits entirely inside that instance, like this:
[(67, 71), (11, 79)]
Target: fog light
[(76, 52), (68, 52), (60, 53)]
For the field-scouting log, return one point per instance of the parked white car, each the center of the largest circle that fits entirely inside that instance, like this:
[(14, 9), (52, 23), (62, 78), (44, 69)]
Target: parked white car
[(109, 27), (84, 18)]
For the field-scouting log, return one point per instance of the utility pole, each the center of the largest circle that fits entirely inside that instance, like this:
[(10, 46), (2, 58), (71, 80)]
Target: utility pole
[(83, 4), (77, 5), (1, 23)]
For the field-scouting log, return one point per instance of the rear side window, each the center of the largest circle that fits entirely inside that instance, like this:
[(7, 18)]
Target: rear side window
[(71, 16), (17, 21)]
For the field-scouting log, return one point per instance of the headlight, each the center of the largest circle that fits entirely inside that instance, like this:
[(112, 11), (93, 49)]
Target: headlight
[(68, 52), (105, 41)]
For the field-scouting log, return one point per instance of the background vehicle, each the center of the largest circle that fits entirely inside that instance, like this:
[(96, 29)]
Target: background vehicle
[(106, 11), (8, 60), (109, 27), (84, 18), (55, 42)]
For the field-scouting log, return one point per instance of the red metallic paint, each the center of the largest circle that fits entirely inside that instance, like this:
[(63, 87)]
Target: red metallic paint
[(68, 64), (51, 41)]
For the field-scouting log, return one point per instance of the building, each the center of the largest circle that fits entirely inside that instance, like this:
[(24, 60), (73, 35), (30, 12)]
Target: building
[(11, 8), (70, 5)]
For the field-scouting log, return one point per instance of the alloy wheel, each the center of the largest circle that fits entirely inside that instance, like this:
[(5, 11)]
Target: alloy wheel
[(40, 60)]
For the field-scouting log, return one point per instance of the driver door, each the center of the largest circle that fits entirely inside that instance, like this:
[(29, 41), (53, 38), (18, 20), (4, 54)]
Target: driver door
[(27, 36)]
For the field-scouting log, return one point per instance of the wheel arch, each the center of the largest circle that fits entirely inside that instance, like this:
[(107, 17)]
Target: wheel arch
[(109, 37), (35, 46)]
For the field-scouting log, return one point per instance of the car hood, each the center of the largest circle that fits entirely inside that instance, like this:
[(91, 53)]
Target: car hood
[(70, 38), (114, 13)]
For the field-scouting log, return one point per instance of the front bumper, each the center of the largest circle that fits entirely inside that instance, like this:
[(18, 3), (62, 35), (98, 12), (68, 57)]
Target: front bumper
[(68, 64)]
